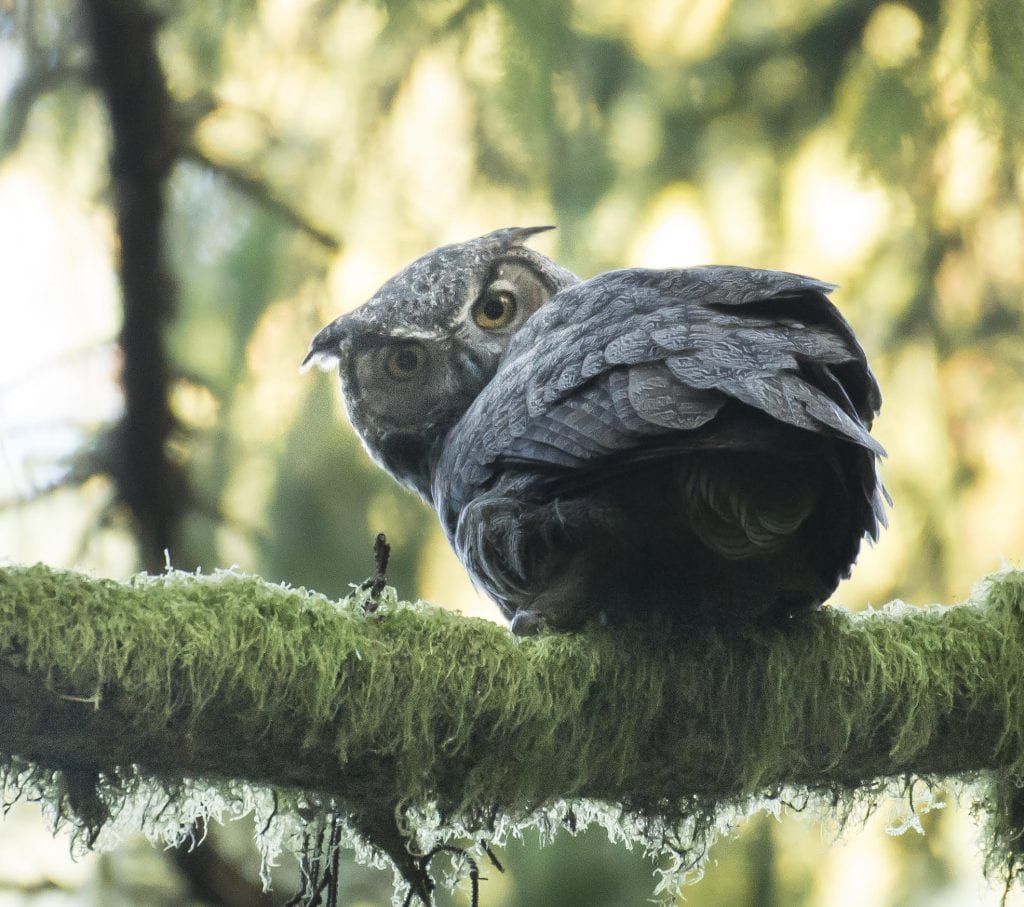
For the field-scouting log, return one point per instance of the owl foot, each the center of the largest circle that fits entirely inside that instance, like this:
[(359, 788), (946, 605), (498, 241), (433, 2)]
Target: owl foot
[(528, 623)]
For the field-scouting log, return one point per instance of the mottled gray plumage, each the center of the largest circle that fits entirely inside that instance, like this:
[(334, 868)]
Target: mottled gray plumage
[(693, 441)]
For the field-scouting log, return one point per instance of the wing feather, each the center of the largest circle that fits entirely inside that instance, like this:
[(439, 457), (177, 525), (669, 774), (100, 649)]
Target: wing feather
[(641, 363)]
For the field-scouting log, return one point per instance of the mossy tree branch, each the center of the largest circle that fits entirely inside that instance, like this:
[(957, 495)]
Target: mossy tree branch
[(232, 678)]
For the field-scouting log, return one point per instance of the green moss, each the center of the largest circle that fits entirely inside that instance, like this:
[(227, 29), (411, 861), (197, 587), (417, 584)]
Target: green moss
[(663, 737)]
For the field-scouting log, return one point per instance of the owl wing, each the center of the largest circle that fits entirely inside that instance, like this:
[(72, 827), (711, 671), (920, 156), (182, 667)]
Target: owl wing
[(640, 364)]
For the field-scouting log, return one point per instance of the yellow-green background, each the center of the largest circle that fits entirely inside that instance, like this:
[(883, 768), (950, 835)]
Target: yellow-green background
[(878, 146)]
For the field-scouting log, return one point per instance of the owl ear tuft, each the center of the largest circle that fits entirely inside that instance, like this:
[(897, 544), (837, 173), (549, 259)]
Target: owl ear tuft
[(524, 233), (516, 236), (325, 350)]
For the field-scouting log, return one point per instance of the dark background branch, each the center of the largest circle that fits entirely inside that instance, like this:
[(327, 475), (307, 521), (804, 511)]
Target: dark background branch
[(257, 190), (127, 71)]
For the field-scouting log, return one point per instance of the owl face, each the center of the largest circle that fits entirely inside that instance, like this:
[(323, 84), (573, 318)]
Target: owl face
[(415, 356)]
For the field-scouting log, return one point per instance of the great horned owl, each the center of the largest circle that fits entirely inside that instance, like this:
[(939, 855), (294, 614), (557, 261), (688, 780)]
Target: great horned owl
[(689, 441)]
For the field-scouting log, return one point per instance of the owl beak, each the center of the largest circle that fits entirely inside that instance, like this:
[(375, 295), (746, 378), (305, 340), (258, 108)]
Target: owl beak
[(326, 349)]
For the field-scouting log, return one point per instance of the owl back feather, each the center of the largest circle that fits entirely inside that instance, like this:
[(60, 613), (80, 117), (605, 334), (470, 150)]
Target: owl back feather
[(745, 390), (640, 359)]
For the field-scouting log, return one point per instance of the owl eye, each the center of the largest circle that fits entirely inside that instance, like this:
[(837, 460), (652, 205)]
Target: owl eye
[(495, 309), (405, 362)]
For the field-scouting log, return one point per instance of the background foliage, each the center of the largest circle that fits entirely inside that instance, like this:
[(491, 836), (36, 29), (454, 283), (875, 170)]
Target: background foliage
[(318, 145)]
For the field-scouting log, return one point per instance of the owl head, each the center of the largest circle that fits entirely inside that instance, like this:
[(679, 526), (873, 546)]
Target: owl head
[(414, 357)]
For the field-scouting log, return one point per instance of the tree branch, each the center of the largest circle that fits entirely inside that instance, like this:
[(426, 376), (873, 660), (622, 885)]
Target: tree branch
[(232, 678), (260, 192)]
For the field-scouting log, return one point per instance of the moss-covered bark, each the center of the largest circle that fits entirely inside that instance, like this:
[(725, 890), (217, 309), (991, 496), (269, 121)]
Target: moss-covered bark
[(228, 677)]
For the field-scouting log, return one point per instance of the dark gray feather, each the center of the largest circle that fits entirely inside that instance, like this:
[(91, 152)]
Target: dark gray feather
[(610, 363)]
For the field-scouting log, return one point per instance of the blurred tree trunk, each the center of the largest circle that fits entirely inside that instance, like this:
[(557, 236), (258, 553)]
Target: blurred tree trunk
[(127, 71), (144, 148)]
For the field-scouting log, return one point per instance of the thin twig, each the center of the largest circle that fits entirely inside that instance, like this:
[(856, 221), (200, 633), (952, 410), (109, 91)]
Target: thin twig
[(334, 853), (260, 193), (491, 856), (377, 582), (474, 868)]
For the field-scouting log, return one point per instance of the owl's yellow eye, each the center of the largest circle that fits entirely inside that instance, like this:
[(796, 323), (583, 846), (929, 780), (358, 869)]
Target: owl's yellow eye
[(495, 309), (405, 362)]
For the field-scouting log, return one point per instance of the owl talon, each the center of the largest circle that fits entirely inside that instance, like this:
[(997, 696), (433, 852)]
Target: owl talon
[(527, 623)]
